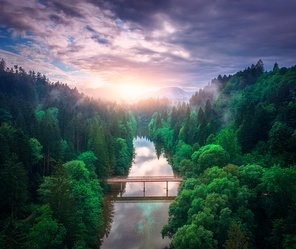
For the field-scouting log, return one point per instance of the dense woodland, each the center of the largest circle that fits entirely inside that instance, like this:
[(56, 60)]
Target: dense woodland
[(234, 144), (55, 143)]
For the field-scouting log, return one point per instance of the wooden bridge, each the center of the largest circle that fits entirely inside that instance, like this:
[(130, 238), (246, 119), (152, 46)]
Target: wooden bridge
[(144, 179), (137, 199)]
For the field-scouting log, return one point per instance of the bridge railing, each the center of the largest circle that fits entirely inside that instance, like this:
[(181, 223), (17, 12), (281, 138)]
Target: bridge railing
[(153, 177), (145, 179)]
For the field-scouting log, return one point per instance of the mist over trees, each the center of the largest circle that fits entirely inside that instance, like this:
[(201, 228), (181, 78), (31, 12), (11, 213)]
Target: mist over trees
[(234, 144)]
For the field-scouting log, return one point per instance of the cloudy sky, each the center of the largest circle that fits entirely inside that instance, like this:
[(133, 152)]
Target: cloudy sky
[(135, 45)]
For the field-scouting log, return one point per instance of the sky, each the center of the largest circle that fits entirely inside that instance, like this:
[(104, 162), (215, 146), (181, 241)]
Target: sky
[(134, 46)]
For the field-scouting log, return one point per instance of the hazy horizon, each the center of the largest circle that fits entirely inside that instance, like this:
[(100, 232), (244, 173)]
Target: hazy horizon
[(134, 47)]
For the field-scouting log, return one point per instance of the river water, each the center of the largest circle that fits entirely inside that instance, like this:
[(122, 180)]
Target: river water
[(137, 224)]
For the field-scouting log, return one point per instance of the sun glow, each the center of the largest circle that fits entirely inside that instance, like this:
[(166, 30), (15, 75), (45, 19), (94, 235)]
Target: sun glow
[(132, 92)]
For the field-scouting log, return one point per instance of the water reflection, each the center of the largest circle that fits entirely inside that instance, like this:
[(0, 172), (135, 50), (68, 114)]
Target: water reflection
[(138, 225)]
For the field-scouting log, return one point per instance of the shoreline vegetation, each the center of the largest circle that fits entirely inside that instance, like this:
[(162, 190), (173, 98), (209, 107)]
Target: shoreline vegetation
[(234, 144)]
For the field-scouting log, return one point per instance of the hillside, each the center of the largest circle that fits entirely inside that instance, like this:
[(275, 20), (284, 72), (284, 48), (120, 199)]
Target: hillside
[(172, 93), (235, 145), (55, 143)]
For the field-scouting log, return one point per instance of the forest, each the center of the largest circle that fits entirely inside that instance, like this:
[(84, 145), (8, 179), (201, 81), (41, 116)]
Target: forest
[(234, 144), (55, 145)]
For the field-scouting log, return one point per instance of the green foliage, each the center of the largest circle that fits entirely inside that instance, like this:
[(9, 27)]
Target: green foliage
[(132, 123), (89, 159), (14, 143), (56, 191), (247, 119), (76, 202), (122, 155), (178, 213), (97, 143), (289, 241), (46, 231), (50, 136), (209, 204), (76, 170), (183, 152), (280, 188), (251, 175), (281, 142), (11, 234), (39, 115), (13, 187), (5, 116), (228, 140), (88, 201), (187, 168), (193, 236), (165, 135), (237, 128), (44, 125), (236, 238), (209, 156), (36, 149)]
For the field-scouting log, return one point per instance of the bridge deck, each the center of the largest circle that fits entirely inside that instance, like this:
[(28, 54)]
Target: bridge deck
[(144, 199), (145, 179)]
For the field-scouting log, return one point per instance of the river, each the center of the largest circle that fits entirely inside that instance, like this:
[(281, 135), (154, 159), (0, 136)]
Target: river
[(137, 224)]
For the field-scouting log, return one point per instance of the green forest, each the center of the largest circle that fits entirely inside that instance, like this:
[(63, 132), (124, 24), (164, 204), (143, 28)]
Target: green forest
[(55, 145), (234, 144)]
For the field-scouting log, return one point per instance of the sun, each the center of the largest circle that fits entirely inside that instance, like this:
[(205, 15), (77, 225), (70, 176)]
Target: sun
[(132, 92)]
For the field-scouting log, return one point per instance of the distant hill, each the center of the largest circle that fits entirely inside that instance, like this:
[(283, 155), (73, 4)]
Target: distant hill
[(173, 93), (103, 93)]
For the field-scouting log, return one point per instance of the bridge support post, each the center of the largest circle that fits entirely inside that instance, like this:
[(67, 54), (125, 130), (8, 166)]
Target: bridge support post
[(167, 189), (144, 188)]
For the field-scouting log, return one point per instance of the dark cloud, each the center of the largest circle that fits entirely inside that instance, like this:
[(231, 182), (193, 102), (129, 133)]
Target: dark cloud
[(235, 28), (183, 41), (100, 39), (96, 36), (66, 7), (15, 17), (56, 19), (89, 28), (226, 28), (141, 12)]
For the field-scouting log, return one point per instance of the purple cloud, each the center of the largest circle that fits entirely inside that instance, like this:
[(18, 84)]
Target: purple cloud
[(169, 42)]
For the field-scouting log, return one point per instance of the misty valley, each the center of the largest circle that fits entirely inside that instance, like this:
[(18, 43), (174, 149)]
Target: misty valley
[(232, 143)]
